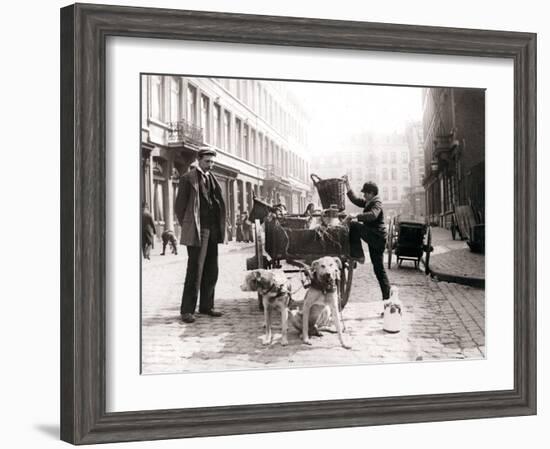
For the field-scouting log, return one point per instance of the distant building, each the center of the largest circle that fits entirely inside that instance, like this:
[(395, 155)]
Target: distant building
[(257, 128), (382, 158), (415, 197), (454, 151)]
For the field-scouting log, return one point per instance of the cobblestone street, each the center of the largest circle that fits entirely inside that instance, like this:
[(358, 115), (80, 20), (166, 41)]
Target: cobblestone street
[(441, 321)]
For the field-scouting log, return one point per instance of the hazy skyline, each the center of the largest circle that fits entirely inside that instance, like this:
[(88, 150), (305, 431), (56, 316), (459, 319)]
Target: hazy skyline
[(337, 111)]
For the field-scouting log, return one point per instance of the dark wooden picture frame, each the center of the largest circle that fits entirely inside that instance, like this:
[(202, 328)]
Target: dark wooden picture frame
[(84, 29)]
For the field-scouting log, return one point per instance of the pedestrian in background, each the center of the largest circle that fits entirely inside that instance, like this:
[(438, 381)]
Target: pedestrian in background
[(200, 209), (371, 228), (148, 231), (239, 226), (246, 224), (229, 230), (310, 209)]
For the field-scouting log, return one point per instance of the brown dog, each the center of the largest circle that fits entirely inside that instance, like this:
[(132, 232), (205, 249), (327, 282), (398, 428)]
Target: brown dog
[(324, 292), (274, 289)]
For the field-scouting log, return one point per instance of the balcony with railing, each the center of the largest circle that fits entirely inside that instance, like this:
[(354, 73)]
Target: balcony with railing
[(184, 131), (273, 172), (444, 145)]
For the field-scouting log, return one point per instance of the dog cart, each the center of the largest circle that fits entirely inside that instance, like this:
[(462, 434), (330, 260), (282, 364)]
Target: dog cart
[(292, 242), (409, 240)]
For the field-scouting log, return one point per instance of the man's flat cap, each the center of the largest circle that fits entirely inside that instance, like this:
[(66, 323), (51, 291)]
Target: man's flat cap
[(207, 152), (369, 186)]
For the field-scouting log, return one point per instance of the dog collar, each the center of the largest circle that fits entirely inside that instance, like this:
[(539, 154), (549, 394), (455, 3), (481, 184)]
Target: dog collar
[(318, 286)]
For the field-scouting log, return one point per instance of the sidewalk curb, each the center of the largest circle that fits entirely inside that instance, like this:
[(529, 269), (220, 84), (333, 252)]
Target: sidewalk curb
[(455, 278)]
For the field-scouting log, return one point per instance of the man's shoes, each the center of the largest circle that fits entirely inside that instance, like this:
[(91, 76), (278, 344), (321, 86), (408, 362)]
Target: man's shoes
[(187, 318), (211, 312), (360, 260)]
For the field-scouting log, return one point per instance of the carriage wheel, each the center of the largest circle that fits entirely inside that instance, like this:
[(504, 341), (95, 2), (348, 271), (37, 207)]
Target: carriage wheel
[(428, 249), (346, 279), (259, 245), (390, 242)]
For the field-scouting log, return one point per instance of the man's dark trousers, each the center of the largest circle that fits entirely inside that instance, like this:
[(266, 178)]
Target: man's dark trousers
[(202, 274), (376, 245)]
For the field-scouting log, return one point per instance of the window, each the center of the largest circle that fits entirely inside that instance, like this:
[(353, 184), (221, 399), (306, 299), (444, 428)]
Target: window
[(405, 173), (217, 125), (253, 154), (385, 157), (393, 174), (393, 157), (227, 130), (238, 137), (394, 193), (404, 157), (246, 143), (191, 104), (384, 174), (174, 99), (385, 193), (260, 159), (156, 97), (205, 117)]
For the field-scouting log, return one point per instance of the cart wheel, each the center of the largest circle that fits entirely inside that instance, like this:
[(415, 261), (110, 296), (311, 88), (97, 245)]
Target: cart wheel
[(428, 249), (390, 242), (346, 279)]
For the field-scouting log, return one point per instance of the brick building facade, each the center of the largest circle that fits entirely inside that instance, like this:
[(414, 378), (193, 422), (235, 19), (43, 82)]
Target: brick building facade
[(454, 150)]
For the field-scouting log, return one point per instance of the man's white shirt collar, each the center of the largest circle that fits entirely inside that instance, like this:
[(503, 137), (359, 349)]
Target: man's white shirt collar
[(202, 171)]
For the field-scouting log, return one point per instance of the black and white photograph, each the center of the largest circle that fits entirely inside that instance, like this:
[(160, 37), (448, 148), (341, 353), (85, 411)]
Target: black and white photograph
[(265, 224), (298, 223)]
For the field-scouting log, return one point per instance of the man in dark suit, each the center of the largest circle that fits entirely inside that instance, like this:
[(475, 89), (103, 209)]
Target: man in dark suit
[(369, 227), (200, 209)]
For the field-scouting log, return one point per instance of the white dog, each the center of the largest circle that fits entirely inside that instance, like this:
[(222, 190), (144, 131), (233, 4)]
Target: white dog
[(274, 289), (324, 292)]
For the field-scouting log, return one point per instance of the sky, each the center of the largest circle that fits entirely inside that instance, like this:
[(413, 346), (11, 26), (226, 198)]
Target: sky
[(340, 110)]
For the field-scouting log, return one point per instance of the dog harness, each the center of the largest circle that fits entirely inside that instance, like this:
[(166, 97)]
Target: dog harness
[(279, 292)]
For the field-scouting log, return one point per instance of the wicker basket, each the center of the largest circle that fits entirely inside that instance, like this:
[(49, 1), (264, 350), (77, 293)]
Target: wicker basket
[(332, 191)]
